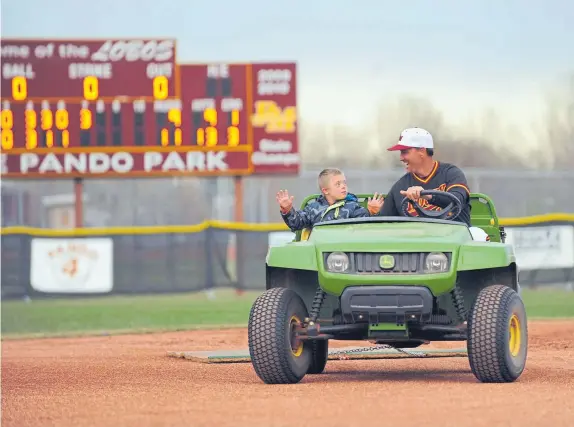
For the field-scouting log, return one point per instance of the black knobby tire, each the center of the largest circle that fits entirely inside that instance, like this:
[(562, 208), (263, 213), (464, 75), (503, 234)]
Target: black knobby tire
[(319, 356), (269, 336), (497, 335)]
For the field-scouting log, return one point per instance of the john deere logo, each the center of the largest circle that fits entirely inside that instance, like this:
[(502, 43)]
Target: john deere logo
[(387, 261)]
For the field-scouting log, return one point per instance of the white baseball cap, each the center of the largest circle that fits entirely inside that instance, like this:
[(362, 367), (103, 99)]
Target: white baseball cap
[(413, 138)]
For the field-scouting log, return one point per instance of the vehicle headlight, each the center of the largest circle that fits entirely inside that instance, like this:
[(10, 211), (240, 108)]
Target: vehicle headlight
[(337, 262), (436, 262)]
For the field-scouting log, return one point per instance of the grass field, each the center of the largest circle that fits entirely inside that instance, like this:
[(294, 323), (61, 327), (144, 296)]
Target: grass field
[(106, 315)]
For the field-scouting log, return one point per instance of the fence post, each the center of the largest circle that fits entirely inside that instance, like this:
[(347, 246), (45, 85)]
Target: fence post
[(240, 253), (209, 281)]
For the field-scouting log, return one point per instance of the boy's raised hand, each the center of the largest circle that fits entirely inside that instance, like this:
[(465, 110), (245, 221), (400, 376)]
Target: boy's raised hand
[(285, 201), (375, 203)]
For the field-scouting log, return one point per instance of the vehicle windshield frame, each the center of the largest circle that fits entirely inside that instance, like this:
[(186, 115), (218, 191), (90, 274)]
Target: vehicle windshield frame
[(388, 219)]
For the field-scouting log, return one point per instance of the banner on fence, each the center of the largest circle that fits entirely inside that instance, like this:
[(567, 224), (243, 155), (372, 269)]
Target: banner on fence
[(81, 265), (542, 247)]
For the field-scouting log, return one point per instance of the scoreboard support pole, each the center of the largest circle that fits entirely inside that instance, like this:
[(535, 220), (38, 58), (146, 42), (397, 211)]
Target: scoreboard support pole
[(239, 241), (238, 184), (79, 202)]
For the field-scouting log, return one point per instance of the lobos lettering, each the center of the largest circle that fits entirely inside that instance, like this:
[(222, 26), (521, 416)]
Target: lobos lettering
[(126, 163)]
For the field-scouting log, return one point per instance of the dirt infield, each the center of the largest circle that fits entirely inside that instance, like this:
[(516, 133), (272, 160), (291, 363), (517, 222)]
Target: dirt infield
[(129, 381)]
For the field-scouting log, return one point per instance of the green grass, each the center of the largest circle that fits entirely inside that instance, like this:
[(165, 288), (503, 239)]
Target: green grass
[(548, 303), (124, 313), (119, 314)]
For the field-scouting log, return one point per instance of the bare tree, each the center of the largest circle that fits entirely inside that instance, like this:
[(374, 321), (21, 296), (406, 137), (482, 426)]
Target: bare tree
[(560, 124), (478, 147)]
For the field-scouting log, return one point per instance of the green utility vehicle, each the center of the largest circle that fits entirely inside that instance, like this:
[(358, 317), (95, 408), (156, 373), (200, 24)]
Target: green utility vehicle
[(398, 282)]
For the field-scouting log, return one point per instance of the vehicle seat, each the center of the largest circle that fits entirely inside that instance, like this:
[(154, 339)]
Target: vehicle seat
[(482, 215)]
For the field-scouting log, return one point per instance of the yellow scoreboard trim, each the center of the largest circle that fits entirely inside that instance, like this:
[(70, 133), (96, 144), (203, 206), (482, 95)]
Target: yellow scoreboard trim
[(130, 149)]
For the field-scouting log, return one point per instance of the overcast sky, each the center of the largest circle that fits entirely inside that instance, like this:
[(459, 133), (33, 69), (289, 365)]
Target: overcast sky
[(461, 55)]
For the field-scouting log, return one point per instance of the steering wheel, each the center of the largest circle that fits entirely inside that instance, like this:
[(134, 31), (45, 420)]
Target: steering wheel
[(451, 211)]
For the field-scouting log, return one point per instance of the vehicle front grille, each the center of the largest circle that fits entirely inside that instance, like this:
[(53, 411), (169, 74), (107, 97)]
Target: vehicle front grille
[(368, 262)]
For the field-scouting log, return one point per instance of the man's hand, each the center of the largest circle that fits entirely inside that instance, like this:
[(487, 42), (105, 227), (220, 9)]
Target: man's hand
[(414, 193), (375, 204), (285, 202)]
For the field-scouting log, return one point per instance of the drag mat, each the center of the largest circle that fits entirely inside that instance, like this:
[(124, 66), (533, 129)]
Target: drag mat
[(242, 355)]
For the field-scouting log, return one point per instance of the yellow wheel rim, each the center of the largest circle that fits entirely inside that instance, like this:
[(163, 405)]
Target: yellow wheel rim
[(294, 321), (515, 338)]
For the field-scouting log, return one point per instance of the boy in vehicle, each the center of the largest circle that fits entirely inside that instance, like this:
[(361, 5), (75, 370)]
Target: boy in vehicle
[(334, 203)]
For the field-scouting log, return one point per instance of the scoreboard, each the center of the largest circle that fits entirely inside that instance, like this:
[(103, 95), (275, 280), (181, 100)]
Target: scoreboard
[(76, 108)]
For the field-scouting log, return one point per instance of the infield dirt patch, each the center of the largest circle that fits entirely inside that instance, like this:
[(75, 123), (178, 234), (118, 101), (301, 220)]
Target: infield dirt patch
[(128, 380)]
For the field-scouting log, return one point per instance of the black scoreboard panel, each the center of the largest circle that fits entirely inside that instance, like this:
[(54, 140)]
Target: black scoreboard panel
[(212, 112)]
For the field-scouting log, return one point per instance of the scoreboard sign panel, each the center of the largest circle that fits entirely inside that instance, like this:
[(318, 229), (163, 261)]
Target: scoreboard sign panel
[(274, 119), (88, 70), (126, 108)]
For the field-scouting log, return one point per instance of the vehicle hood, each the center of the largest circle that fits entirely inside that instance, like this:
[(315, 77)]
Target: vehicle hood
[(390, 236)]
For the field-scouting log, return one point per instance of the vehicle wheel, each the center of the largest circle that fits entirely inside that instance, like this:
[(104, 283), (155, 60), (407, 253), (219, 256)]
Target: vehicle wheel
[(497, 335), (319, 356), (275, 354)]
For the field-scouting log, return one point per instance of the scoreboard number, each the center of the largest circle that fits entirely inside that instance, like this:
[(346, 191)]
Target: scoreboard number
[(85, 118), (208, 136), (85, 124), (91, 88), (7, 124), (160, 87), (19, 88), (46, 123), (233, 130), (31, 121), (174, 116)]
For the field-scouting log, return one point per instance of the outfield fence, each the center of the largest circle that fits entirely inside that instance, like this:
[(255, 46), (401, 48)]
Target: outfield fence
[(39, 262), (47, 203)]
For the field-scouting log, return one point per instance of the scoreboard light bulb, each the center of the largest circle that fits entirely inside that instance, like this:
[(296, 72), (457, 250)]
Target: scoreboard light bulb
[(210, 116), (46, 119), (200, 137), (65, 138), (7, 119), (31, 139), (7, 139), (174, 116), (234, 117), (164, 137), (49, 139), (85, 119), (31, 119), (139, 106)]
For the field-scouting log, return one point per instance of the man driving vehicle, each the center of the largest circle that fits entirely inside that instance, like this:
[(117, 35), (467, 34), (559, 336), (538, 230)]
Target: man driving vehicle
[(416, 148)]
